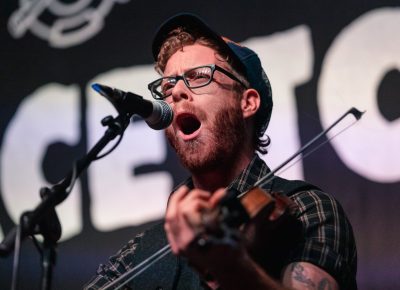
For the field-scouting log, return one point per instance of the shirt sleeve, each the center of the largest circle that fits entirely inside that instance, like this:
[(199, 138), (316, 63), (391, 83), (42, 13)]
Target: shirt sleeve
[(328, 237)]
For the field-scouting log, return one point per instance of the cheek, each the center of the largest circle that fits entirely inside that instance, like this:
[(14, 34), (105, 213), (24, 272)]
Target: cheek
[(223, 103), (170, 135)]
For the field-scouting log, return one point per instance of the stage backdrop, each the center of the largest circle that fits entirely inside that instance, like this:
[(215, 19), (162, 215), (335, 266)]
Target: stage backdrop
[(322, 57)]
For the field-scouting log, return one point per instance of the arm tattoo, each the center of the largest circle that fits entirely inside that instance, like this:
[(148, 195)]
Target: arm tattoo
[(299, 275), (298, 272), (324, 285)]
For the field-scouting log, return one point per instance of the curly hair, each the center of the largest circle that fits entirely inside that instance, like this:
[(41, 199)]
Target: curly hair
[(179, 38)]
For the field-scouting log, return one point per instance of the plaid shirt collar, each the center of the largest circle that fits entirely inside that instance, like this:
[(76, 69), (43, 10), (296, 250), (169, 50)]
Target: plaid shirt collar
[(255, 170)]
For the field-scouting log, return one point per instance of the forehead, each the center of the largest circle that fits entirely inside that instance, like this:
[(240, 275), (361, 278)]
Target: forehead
[(190, 56)]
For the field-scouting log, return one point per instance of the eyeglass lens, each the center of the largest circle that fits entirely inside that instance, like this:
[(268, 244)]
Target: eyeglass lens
[(193, 78)]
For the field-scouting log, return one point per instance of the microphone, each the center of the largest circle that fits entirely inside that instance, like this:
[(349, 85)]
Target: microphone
[(158, 115)]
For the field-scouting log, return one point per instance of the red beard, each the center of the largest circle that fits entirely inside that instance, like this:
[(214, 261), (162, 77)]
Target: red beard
[(216, 147)]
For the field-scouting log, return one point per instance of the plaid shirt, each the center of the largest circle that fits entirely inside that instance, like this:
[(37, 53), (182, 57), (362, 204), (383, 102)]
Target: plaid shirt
[(328, 236), (328, 240)]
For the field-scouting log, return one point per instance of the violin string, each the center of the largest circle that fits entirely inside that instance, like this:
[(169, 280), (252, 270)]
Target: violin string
[(145, 266), (142, 266)]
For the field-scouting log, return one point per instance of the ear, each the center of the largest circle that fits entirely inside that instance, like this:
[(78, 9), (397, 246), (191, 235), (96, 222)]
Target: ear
[(250, 103)]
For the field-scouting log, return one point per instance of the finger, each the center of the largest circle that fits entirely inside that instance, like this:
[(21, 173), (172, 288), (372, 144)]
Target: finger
[(199, 194), (179, 194), (193, 207), (171, 214), (182, 230), (195, 202), (217, 196), (192, 213), (184, 198), (174, 200), (182, 216)]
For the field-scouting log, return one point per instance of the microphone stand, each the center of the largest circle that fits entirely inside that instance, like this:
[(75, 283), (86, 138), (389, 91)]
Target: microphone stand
[(43, 219)]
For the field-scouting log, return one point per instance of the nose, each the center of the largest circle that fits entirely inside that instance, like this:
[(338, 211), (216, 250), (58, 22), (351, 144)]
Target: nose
[(181, 92)]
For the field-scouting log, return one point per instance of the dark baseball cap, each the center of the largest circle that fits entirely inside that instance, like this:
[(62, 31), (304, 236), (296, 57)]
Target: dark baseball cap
[(245, 60)]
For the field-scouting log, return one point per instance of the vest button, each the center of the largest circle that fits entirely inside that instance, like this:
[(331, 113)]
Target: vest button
[(159, 288)]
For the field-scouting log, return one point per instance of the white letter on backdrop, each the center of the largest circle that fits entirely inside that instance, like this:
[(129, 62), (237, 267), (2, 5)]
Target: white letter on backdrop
[(353, 68), (287, 58), (49, 115), (118, 197)]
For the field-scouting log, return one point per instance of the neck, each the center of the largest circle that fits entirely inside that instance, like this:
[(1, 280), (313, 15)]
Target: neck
[(222, 175)]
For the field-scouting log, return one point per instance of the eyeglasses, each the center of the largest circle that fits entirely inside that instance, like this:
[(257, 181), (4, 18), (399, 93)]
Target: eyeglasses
[(194, 78)]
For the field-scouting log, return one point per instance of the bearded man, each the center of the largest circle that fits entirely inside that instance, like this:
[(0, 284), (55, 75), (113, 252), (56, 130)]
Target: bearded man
[(222, 103)]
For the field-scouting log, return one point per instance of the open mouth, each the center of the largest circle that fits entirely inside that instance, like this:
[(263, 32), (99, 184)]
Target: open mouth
[(188, 123)]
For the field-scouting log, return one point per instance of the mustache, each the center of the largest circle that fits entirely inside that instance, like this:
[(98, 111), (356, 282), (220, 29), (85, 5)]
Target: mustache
[(190, 109)]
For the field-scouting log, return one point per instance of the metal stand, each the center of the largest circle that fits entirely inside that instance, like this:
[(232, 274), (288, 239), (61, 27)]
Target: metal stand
[(43, 219)]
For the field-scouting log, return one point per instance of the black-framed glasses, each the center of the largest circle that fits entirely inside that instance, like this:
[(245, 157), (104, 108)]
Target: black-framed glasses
[(194, 78)]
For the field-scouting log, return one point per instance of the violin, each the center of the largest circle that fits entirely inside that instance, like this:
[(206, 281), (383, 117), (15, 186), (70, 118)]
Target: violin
[(228, 224), (264, 222)]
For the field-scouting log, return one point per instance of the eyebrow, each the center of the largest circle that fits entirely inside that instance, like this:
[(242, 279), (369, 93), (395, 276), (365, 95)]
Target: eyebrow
[(196, 66)]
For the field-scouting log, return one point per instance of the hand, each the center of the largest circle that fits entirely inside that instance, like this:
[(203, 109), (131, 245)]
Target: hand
[(183, 219), (184, 222), (231, 267)]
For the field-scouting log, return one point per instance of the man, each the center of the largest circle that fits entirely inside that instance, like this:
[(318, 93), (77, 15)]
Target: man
[(222, 102)]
